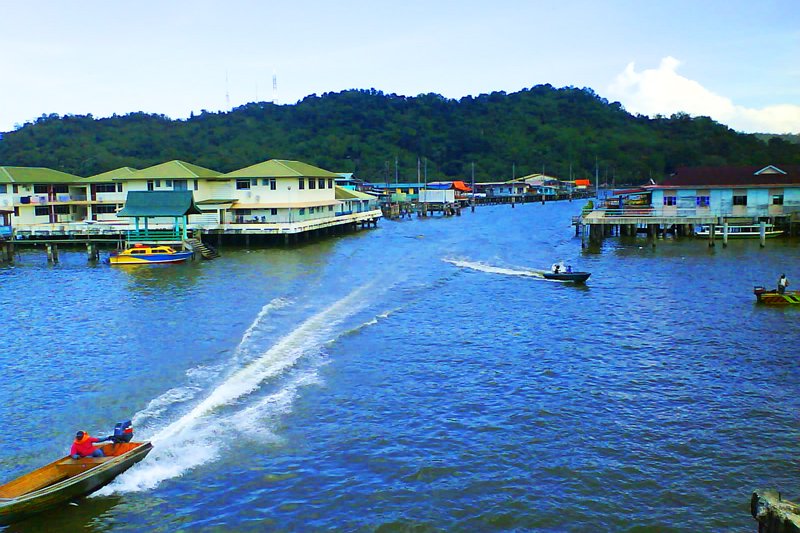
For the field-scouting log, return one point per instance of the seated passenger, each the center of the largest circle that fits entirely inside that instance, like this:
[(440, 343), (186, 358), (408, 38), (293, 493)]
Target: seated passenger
[(83, 446)]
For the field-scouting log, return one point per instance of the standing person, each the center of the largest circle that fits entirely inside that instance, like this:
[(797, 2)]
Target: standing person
[(83, 446), (782, 284)]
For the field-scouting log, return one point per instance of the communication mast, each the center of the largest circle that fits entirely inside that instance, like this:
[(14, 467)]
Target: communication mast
[(274, 88)]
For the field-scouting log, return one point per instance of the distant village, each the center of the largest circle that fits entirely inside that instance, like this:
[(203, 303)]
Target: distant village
[(292, 200)]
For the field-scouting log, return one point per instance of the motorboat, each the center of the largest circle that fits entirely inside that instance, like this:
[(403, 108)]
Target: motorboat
[(143, 254), (66, 479), (773, 297)]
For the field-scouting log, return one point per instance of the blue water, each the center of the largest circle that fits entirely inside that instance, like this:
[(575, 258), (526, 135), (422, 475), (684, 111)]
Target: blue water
[(417, 376)]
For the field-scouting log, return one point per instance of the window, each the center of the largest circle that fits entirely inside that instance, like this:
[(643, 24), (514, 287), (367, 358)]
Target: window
[(310, 210), (105, 187), (61, 209), (15, 189), (150, 185), (703, 201), (311, 183), (3, 188), (302, 211), (167, 183), (254, 182), (242, 211), (180, 185), (119, 187), (242, 185), (273, 211), (273, 184), (670, 200), (265, 182), (777, 199), (107, 208), (158, 184), (330, 208), (740, 200), (302, 182), (195, 185), (330, 184), (321, 182), (41, 210)]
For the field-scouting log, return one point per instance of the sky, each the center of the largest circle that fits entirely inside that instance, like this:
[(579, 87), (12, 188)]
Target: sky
[(735, 61)]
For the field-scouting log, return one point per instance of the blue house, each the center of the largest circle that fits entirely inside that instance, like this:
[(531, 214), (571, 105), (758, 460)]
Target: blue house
[(771, 192)]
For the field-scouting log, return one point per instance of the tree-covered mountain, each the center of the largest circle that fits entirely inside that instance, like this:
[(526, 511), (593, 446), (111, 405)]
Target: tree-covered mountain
[(564, 132)]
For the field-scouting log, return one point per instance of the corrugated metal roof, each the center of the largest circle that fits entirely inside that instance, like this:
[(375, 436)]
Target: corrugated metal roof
[(734, 176), (36, 175), (159, 204), (117, 173), (174, 170), (287, 205), (280, 168)]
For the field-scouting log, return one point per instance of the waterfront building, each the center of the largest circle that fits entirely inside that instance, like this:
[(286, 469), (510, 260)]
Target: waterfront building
[(708, 196), (38, 195), (272, 197)]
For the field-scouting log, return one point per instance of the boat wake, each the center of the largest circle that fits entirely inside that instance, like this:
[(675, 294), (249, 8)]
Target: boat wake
[(190, 425), (483, 267)]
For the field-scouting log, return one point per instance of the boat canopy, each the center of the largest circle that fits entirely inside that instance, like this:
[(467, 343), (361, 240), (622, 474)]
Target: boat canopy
[(159, 204)]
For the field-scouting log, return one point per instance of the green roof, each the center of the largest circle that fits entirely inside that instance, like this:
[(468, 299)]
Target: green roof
[(36, 175), (349, 194), (280, 168), (159, 204), (174, 170), (105, 177)]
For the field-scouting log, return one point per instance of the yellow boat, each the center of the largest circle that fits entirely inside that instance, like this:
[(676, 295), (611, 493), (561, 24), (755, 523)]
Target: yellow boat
[(143, 254)]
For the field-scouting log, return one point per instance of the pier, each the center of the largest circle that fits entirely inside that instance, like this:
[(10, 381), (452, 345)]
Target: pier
[(596, 224), (773, 513)]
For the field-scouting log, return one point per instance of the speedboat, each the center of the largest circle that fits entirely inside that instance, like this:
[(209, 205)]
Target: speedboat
[(66, 478), (773, 297), (143, 254), (575, 277)]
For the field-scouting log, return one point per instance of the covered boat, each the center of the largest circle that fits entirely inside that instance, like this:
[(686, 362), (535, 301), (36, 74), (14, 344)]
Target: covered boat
[(66, 479), (142, 254), (773, 297), (751, 231)]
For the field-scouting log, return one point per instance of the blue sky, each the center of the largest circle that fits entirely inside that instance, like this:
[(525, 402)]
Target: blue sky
[(736, 61)]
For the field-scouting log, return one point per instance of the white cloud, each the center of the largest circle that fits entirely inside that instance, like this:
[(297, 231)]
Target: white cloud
[(662, 91)]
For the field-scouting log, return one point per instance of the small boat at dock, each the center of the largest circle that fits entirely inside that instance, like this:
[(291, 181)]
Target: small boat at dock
[(773, 297), (751, 231), (66, 479), (142, 254)]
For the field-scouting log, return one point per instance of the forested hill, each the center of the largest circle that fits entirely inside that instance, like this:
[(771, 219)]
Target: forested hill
[(565, 132)]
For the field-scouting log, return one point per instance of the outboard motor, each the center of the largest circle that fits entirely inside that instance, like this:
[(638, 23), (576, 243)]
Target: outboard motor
[(123, 432)]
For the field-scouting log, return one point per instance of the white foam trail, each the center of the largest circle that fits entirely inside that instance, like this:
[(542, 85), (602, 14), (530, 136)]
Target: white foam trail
[(277, 303), (198, 436), (483, 267)]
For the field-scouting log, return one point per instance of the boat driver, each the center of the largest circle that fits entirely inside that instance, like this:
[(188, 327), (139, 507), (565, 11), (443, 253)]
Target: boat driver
[(83, 446)]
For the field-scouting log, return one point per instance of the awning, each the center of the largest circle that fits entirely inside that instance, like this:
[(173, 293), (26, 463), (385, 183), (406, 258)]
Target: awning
[(159, 204)]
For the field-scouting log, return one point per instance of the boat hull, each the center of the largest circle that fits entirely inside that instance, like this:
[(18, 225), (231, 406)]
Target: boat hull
[(152, 259), (740, 232), (763, 296), (575, 277), (94, 473)]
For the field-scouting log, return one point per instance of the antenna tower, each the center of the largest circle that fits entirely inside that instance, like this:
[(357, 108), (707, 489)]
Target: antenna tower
[(274, 88)]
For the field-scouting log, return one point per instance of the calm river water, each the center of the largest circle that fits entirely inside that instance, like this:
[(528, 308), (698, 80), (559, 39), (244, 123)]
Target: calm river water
[(413, 377)]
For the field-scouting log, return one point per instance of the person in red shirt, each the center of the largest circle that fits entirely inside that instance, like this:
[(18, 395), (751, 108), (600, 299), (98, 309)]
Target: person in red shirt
[(83, 446)]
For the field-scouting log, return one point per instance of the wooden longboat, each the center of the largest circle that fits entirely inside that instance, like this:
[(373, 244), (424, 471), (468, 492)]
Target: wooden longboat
[(66, 479), (773, 297)]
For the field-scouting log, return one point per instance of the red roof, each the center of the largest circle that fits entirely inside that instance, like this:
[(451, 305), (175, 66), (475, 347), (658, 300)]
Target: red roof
[(734, 176)]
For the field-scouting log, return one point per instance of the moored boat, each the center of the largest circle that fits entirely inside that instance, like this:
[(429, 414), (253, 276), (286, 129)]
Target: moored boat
[(773, 297), (750, 231), (66, 479), (142, 254)]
